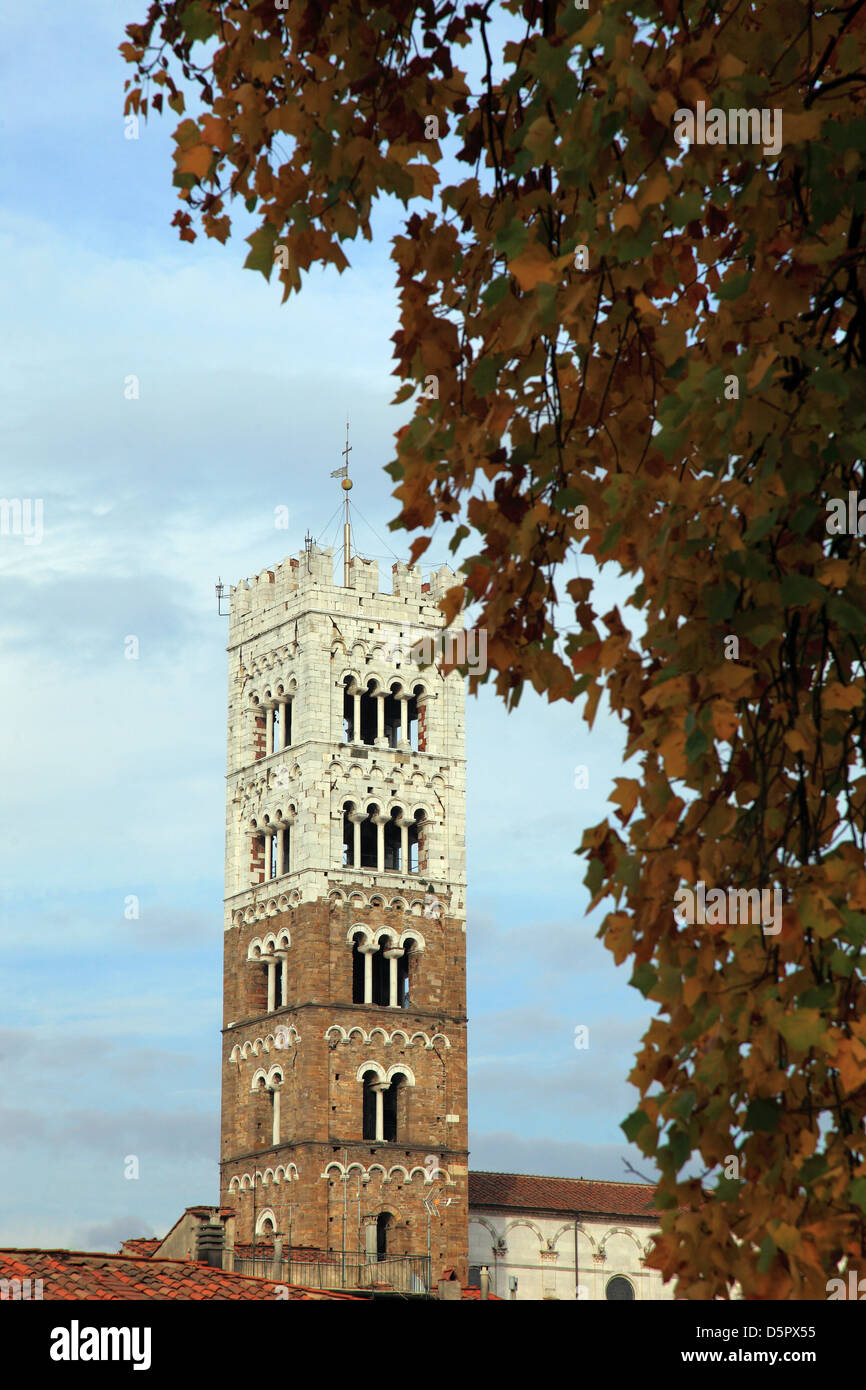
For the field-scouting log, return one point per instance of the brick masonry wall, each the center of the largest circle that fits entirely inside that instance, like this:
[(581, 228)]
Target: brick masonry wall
[(321, 1097)]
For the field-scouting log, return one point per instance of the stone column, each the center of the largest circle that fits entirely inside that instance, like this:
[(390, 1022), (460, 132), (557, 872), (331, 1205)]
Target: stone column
[(392, 955), (269, 730), (404, 847), (356, 716), (281, 850), (281, 736), (276, 1132), (380, 1088), (272, 985), (269, 839), (367, 952), (403, 740), (380, 720), (356, 818)]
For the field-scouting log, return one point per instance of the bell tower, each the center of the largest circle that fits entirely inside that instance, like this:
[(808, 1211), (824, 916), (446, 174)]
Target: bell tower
[(344, 1093)]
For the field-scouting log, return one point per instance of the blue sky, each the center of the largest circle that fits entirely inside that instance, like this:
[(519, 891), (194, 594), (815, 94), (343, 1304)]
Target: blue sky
[(113, 786)]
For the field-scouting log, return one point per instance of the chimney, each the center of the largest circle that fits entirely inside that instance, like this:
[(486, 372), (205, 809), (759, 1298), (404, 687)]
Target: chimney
[(449, 1285), (485, 1282), (278, 1255), (230, 1224), (209, 1243)]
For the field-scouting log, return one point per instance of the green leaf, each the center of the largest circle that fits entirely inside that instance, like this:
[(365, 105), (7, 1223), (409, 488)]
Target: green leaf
[(678, 1148), (818, 997), (719, 602), (797, 589), (611, 536), (644, 978), (484, 376), (198, 23), (814, 1167), (697, 744), (735, 287), (261, 256), (496, 291), (849, 618), (684, 1104), (803, 1029), (855, 924), (687, 208), (512, 239), (763, 1116), (759, 528), (633, 1124), (841, 963), (768, 1251)]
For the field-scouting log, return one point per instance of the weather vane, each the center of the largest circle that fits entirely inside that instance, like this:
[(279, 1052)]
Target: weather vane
[(346, 484)]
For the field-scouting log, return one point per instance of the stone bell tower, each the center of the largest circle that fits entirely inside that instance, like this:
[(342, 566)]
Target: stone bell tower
[(344, 1121)]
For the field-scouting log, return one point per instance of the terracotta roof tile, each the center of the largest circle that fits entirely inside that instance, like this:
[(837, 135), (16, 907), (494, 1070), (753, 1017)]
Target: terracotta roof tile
[(584, 1195), (71, 1274), (140, 1245)]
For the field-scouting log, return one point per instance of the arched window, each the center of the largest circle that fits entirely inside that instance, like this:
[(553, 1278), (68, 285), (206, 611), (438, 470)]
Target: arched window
[(368, 1130), (348, 836), (412, 715), (403, 976), (358, 971), (384, 1105), (286, 864), (417, 856), (381, 975), (268, 1085), (390, 1103), (277, 720), (393, 838), (383, 1222), (393, 712), (369, 840), (619, 1288), (349, 710), (369, 713)]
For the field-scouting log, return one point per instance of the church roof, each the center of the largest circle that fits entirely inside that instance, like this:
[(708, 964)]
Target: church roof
[(583, 1196), (74, 1274)]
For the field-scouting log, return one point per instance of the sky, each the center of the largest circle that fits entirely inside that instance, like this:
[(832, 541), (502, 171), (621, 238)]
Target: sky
[(113, 767)]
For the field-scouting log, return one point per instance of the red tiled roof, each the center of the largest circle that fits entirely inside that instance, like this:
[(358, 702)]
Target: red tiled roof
[(573, 1195), (72, 1275), (140, 1245)]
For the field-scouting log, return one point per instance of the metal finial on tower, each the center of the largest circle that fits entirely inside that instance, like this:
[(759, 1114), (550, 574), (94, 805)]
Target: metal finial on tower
[(346, 484)]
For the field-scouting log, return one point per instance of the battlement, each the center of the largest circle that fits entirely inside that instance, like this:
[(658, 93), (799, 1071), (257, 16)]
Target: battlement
[(308, 580)]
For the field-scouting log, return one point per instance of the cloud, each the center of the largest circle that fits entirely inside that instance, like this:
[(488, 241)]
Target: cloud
[(108, 1236), (141, 1131), (18, 1127)]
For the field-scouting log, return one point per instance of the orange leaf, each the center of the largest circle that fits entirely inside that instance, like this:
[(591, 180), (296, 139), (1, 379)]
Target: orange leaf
[(838, 696), (626, 215), (195, 161), (532, 267)]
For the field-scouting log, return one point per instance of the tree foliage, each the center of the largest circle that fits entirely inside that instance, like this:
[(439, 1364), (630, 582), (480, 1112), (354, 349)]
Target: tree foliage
[(695, 380)]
